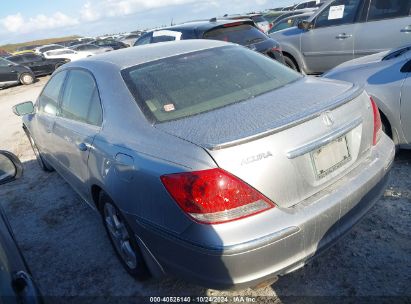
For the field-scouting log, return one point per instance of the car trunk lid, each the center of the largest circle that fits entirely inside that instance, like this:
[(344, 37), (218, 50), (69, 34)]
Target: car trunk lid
[(289, 143)]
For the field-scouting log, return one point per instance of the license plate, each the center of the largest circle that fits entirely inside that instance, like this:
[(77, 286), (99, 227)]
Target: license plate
[(330, 157)]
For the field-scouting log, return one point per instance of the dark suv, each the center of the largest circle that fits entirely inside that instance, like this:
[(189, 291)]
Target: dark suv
[(12, 73), (243, 32), (37, 63)]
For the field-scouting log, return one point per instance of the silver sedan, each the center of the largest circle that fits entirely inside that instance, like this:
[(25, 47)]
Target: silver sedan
[(386, 77), (210, 161)]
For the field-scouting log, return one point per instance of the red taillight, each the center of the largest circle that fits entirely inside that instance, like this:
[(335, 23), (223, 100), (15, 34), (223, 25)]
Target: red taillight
[(214, 196), (270, 25), (377, 122)]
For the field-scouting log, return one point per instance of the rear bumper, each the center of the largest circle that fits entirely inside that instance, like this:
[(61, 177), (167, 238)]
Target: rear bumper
[(312, 226)]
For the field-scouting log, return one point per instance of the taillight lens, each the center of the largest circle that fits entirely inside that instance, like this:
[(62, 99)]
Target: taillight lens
[(377, 122), (214, 196)]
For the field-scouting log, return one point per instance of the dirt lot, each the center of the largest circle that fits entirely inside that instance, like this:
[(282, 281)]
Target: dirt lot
[(69, 254)]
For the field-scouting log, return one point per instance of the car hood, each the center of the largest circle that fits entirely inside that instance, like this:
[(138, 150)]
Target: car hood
[(275, 110)]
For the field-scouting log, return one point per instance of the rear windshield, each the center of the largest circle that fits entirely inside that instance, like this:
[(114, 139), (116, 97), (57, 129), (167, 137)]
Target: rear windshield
[(190, 84), (243, 34)]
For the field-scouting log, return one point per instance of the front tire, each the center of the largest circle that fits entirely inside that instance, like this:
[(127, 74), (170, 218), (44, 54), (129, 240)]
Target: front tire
[(290, 63), (26, 78), (122, 238)]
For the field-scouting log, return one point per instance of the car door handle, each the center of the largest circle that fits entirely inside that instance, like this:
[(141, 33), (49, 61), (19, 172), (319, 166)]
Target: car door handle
[(406, 29), (83, 147), (343, 36)]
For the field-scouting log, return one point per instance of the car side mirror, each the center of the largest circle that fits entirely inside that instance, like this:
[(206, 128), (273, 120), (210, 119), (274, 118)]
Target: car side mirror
[(10, 65), (304, 25), (10, 167), (23, 108)]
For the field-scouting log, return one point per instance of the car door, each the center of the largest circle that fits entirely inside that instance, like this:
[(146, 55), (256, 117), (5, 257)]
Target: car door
[(38, 64), (387, 26), (44, 119), (406, 103), (8, 72), (77, 124), (331, 40)]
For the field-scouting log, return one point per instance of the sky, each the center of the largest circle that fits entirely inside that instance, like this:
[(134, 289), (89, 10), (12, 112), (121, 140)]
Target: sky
[(28, 20)]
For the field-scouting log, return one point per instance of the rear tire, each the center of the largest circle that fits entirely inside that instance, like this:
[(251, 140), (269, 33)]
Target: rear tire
[(290, 63), (26, 79), (41, 161), (122, 239)]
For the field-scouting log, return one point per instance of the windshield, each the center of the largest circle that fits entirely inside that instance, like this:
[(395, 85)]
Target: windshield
[(194, 83)]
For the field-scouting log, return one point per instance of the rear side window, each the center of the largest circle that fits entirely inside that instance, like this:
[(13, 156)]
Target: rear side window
[(49, 98), (32, 58), (243, 34), (189, 84), (17, 59), (339, 12), (81, 101), (283, 24), (146, 39), (387, 9)]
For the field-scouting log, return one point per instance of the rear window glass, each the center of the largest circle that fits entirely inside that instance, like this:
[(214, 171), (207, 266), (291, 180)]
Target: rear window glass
[(202, 81), (243, 34)]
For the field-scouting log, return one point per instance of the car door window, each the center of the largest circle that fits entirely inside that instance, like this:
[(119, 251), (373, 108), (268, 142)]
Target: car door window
[(81, 101), (4, 62), (18, 59), (49, 98), (337, 13), (286, 23), (32, 58), (387, 9)]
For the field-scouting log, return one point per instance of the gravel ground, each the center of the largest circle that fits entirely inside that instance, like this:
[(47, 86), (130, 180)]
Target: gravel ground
[(71, 258)]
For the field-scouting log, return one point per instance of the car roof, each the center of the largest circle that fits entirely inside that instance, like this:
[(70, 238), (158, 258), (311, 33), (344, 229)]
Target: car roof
[(204, 25), (133, 56)]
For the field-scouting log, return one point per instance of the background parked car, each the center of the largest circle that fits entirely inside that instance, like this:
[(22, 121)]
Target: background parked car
[(288, 22), (386, 76), (37, 63), (343, 30), (67, 54), (44, 48), (4, 53), (16, 284), (263, 184), (91, 48), (112, 43), (12, 73), (243, 32), (129, 39)]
